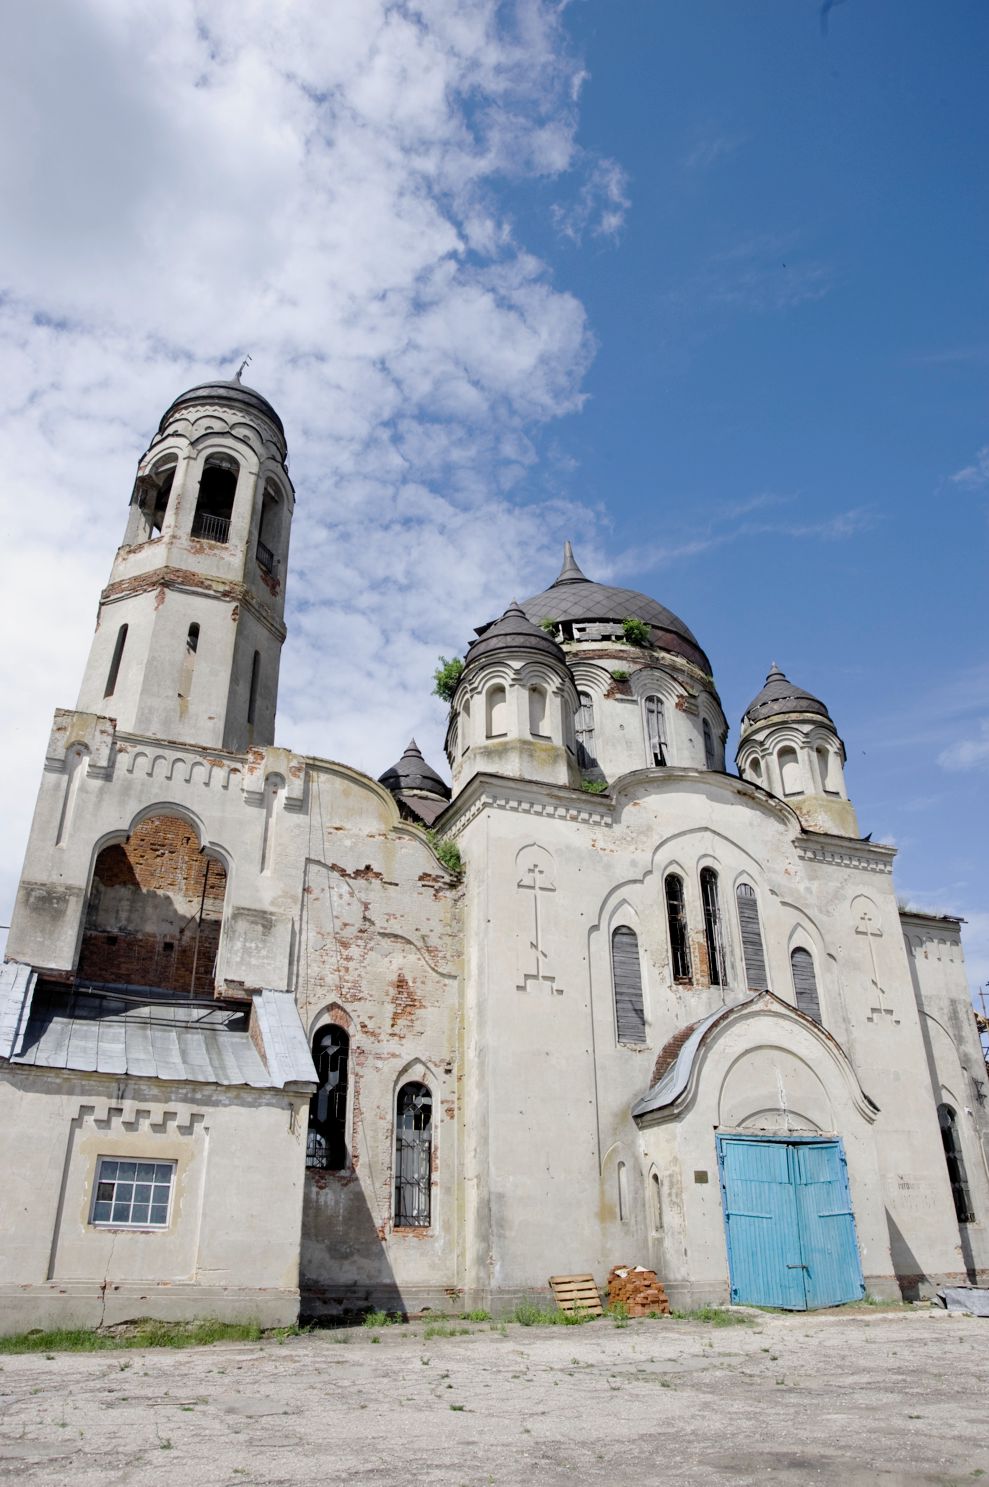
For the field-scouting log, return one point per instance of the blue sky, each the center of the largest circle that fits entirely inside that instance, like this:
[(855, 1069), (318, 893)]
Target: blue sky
[(701, 285)]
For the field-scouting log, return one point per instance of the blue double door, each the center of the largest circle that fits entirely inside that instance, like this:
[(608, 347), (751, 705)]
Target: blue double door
[(789, 1222)]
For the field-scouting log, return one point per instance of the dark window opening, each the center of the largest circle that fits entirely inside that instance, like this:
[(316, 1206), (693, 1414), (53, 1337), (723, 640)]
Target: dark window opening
[(151, 496), (215, 505), (586, 757), (805, 983), (753, 953), (677, 918), (118, 651), (413, 1157), (626, 971), (656, 730), (710, 757), (326, 1144), (268, 529), (957, 1175), (712, 927), (252, 700), (192, 639)]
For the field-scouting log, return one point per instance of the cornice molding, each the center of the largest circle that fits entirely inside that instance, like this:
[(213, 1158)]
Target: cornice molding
[(841, 851)]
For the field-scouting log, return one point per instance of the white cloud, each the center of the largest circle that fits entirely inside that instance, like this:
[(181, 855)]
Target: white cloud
[(968, 753), (975, 475), (186, 183)]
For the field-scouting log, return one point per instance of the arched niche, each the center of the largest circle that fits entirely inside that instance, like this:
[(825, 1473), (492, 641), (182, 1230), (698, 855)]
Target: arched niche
[(155, 910), (773, 1089)]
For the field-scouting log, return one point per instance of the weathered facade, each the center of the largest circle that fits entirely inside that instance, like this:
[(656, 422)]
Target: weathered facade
[(667, 1013)]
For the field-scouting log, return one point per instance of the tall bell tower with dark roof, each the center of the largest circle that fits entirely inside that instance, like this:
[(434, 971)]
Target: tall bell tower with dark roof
[(190, 626)]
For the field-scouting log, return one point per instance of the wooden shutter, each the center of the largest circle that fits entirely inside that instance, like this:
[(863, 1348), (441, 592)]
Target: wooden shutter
[(805, 983), (710, 758), (656, 730), (627, 974), (752, 951)]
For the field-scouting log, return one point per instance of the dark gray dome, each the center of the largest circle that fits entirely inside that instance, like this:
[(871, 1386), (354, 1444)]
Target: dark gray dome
[(574, 596), (513, 632), (233, 392), (780, 695), (413, 773)]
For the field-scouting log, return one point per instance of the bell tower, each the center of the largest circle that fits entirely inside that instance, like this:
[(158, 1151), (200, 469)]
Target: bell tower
[(190, 626)]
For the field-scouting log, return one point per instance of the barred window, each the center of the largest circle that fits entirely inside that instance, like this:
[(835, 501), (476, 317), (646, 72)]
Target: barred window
[(132, 1195), (326, 1143), (677, 919), (413, 1157)]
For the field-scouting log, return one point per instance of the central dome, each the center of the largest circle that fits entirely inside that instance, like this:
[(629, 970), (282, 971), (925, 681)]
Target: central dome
[(233, 393), (576, 599)]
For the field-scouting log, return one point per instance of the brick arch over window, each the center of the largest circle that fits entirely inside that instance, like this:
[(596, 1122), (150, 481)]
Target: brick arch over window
[(155, 910)]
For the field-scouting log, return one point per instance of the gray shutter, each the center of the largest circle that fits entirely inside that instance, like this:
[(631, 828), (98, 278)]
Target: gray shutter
[(710, 758), (805, 983), (627, 973), (656, 730), (752, 951)]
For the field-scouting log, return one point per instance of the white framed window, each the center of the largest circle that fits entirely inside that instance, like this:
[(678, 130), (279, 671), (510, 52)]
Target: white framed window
[(132, 1195)]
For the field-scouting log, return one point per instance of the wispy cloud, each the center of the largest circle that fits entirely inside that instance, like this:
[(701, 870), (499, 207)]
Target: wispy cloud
[(968, 753), (710, 147), (763, 273), (599, 207), (976, 475)]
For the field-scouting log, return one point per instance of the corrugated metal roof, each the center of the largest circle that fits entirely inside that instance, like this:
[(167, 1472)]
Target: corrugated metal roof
[(154, 1035), (779, 695)]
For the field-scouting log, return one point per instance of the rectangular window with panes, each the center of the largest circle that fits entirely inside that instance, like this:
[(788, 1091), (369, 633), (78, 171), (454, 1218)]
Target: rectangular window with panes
[(132, 1195)]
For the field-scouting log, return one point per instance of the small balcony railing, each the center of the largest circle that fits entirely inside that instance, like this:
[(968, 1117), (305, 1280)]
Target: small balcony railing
[(266, 558), (211, 528)]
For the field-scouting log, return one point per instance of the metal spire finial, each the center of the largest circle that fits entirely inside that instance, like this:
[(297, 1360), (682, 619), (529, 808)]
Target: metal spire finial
[(241, 369)]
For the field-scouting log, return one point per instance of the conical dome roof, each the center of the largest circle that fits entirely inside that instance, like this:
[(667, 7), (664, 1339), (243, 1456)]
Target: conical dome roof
[(413, 773), (232, 393), (574, 597), (779, 695), (513, 632)]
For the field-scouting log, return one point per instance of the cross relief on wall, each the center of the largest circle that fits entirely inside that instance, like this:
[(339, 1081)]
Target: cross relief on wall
[(535, 883), (866, 924)]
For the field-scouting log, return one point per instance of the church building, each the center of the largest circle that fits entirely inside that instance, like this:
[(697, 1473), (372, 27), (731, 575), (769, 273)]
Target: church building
[(275, 1035)]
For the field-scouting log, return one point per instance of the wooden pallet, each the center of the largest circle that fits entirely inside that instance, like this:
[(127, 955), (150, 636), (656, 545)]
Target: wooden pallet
[(576, 1293)]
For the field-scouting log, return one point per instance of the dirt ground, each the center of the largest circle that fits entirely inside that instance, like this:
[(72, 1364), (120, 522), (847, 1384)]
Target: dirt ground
[(863, 1398)]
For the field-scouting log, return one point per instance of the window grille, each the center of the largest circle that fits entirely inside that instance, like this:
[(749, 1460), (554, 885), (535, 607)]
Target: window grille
[(677, 919), (957, 1175), (655, 730), (132, 1195), (712, 927), (586, 756), (710, 757), (805, 983), (326, 1143), (413, 1157), (752, 950), (626, 971)]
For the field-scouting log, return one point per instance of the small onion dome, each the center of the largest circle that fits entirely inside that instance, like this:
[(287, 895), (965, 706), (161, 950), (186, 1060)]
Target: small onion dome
[(575, 598), (780, 696), (513, 632), (412, 773), (233, 393)]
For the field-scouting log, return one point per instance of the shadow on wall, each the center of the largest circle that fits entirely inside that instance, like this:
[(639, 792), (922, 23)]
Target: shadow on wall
[(345, 1268)]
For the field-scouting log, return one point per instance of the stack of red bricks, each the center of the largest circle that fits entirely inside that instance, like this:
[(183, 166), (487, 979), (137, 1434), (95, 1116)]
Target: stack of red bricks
[(638, 1290)]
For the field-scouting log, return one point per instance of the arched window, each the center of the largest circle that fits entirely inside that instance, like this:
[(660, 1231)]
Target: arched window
[(537, 712), (710, 757), (657, 1203), (677, 919), (622, 1192), (712, 927), (413, 1157), (805, 983), (586, 757), (151, 495), (626, 973), (252, 696), (118, 651), (326, 1145), (752, 951), (465, 726), (755, 771), (188, 661), (497, 712), (790, 771), (826, 765), (269, 528), (957, 1175), (655, 730), (215, 504)]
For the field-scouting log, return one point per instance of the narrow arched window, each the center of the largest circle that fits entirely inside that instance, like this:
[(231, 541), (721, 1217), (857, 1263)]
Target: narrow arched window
[(465, 726), (677, 919), (537, 712), (413, 1156), (753, 953), (586, 757), (252, 696), (805, 983), (655, 730), (188, 661), (710, 757), (825, 763), (269, 529), (657, 1203), (957, 1175), (626, 974), (118, 651), (755, 771), (713, 933), (622, 1192), (496, 703), (215, 502), (326, 1144), (790, 772)]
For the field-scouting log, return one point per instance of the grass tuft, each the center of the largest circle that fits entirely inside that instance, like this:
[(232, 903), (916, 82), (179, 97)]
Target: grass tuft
[(717, 1316), (147, 1333)]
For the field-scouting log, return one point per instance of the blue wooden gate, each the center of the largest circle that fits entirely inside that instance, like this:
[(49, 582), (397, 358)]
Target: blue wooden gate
[(789, 1222)]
